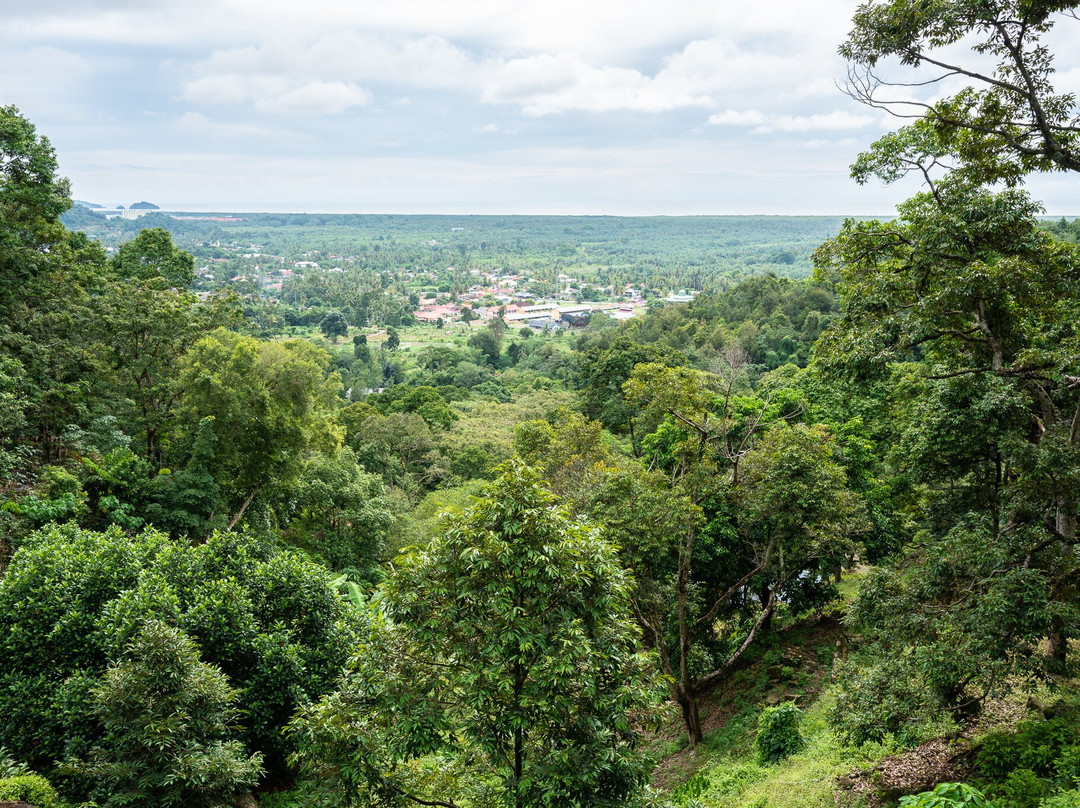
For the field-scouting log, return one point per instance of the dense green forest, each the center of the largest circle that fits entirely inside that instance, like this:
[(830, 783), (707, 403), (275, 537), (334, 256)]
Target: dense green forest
[(806, 538)]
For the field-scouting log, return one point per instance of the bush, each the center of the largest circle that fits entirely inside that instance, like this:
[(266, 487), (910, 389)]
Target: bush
[(167, 717), (876, 699), (31, 788), (1063, 799), (778, 732), (1036, 745), (947, 795), (1021, 789), (73, 599)]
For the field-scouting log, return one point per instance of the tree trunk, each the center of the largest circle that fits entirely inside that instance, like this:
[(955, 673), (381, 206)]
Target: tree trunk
[(244, 507), (1059, 642), (765, 595), (688, 703)]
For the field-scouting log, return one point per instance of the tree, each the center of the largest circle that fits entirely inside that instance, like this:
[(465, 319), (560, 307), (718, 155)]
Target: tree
[(167, 719), (965, 298), (754, 505), (603, 372), (32, 198), (1008, 122), (151, 255), (487, 344), (507, 646), (339, 512), (334, 325), (271, 402), (45, 274), (966, 282), (361, 350), (497, 326), (144, 329), (392, 340), (394, 444)]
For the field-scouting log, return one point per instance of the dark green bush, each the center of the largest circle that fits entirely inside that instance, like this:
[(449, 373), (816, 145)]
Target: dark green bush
[(1021, 789), (778, 732), (73, 599), (1036, 745)]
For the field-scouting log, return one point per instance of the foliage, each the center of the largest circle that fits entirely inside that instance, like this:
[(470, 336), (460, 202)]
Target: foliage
[(340, 512), (775, 504), (32, 198), (334, 325), (947, 795), (966, 287), (167, 720), (1008, 122), (151, 255), (1038, 758), (778, 733), (506, 655), (9, 766), (271, 403), (30, 788), (71, 600)]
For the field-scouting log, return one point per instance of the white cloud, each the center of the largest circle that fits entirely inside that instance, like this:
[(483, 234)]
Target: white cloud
[(317, 98), (277, 94), (734, 117), (494, 129), (765, 123), (195, 123)]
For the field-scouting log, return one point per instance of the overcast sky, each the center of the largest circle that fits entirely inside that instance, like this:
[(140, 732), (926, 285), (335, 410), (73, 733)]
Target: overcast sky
[(455, 106)]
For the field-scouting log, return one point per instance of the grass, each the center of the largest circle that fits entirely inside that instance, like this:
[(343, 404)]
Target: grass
[(735, 779)]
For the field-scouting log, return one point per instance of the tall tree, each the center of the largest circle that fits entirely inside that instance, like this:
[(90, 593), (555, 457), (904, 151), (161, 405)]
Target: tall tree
[(272, 404), (508, 646), (152, 255), (32, 197), (966, 287), (334, 325)]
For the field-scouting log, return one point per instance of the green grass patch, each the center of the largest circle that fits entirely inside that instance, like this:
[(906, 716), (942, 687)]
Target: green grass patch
[(807, 779)]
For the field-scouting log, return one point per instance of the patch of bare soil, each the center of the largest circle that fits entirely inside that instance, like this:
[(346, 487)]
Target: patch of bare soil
[(948, 759)]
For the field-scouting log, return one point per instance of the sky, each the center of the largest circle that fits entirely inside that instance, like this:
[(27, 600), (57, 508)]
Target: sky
[(619, 107)]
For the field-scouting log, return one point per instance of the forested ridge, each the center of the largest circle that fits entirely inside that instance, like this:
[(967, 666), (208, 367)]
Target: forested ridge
[(805, 538)]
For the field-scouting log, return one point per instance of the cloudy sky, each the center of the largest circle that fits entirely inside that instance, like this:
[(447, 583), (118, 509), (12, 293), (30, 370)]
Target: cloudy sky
[(454, 106)]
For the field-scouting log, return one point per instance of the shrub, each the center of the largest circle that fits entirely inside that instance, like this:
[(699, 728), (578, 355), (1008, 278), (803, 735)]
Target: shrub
[(1036, 745), (778, 732), (947, 795), (876, 698), (1063, 799), (167, 717), (31, 788), (72, 600), (1021, 789)]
